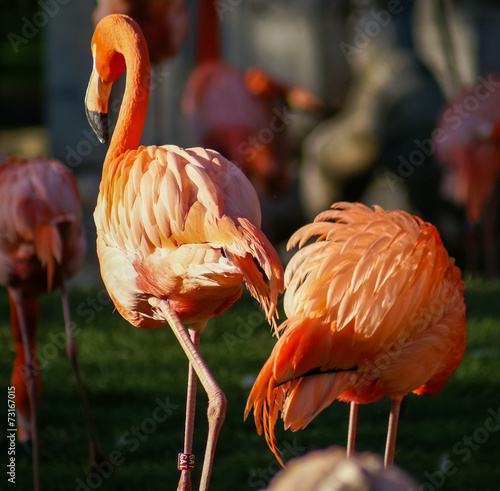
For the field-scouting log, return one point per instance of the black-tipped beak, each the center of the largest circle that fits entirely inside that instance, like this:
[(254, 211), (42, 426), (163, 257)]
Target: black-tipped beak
[(96, 104), (99, 123)]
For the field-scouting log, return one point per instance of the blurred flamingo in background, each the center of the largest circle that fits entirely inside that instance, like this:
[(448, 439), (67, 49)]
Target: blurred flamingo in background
[(241, 115), (468, 146), (42, 245), (375, 308), (163, 22), (226, 116), (177, 230), (330, 469)]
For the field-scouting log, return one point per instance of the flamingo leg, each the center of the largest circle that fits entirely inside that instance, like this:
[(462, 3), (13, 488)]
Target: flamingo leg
[(30, 379), (185, 480), (96, 454), (216, 398), (391, 432), (351, 434)]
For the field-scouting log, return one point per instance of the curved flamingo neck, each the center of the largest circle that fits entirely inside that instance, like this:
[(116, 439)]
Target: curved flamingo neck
[(125, 38)]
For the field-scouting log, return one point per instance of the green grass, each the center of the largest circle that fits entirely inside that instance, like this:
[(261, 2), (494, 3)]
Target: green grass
[(128, 370)]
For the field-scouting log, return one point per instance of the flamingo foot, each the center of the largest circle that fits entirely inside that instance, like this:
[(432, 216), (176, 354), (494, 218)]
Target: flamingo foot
[(216, 412), (184, 481), (96, 455)]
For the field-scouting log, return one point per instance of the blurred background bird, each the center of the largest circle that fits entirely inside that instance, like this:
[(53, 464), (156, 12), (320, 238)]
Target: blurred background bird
[(42, 246), (330, 469), (374, 308), (163, 22), (468, 147), (242, 114), (466, 142)]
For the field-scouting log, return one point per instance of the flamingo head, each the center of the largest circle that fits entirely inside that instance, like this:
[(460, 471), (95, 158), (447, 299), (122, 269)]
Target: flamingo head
[(109, 45)]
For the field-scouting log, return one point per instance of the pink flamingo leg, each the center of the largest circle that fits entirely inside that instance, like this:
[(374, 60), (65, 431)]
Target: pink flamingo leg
[(185, 480), (96, 454), (391, 432), (216, 398), (351, 435)]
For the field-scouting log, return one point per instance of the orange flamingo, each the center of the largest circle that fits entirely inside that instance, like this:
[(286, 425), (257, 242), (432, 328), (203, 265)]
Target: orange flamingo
[(177, 230), (42, 246), (375, 308), (467, 140)]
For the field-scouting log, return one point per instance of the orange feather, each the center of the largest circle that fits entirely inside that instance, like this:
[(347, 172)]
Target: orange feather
[(191, 220)]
